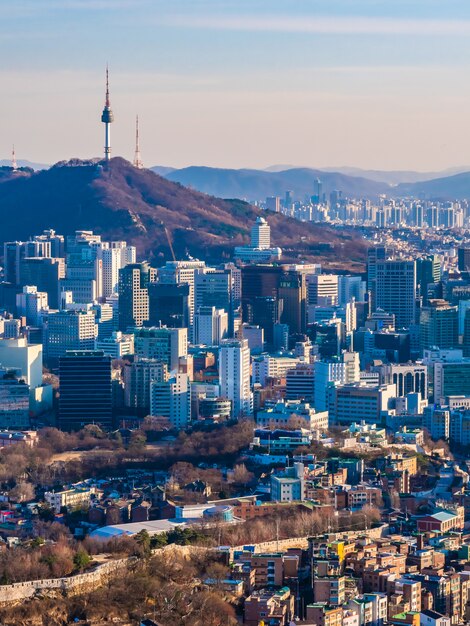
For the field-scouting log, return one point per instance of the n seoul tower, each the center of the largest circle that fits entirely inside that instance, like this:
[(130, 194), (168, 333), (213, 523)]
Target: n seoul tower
[(107, 118)]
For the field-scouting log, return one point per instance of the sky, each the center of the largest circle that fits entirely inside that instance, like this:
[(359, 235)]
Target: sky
[(239, 83)]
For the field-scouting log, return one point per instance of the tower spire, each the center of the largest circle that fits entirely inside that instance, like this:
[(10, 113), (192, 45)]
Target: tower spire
[(14, 164), (107, 118), (137, 158)]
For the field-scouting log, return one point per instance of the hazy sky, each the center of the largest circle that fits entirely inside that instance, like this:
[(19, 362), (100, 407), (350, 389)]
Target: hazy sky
[(240, 83)]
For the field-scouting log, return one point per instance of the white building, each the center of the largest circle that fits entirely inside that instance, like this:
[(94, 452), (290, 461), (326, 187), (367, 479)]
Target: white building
[(344, 372), (18, 354), (163, 344), (234, 376), (210, 326), (356, 402), (116, 346), (172, 399), (69, 330), (322, 289), (31, 303)]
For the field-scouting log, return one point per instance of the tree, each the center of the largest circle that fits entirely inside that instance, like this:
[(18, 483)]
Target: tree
[(81, 559), (22, 492), (142, 538), (241, 476)]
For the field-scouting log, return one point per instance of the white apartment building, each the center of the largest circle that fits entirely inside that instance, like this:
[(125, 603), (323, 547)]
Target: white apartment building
[(234, 376)]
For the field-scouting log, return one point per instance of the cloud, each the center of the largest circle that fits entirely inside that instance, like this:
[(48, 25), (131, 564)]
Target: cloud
[(322, 25)]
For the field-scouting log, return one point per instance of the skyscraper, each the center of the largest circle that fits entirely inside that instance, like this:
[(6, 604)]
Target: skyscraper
[(261, 234), (133, 295), (396, 290), (438, 325), (85, 389), (234, 376), (168, 305), (69, 330), (107, 118)]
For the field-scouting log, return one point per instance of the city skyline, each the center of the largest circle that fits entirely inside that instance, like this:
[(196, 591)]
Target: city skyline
[(230, 85)]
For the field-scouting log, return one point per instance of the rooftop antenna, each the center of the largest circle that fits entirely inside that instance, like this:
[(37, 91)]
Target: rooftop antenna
[(137, 158)]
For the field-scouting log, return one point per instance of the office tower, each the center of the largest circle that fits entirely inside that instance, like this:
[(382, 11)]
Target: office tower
[(438, 325), (374, 255), (317, 191), (466, 334), (396, 290), (138, 377), (114, 256), (280, 340), (293, 293), (451, 379), (167, 345), (266, 312), (105, 321), (14, 400), (117, 345), (68, 330), (236, 282), (289, 199), (31, 304), (45, 274), (55, 241), (27, 358), (210, 326), (171, 399), (408, 378), (255, 337), (350, 287), (9, 327), (107, 118), (214, 288), (329, 336), (322, 289), (85, 389), (183, 272), (273, 203), (261, 234), (428, 271), (463, 259), (258, 281), (168, 305), (133, 295), (347, 314), (300, 382), (344, 372), (234, 376), (358, 402)]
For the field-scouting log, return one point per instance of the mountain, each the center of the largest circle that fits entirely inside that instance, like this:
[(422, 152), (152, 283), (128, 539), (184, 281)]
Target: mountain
[(257, 184), (455, 187), (395, 177), (162, 170), (121, 202), (24, 163)]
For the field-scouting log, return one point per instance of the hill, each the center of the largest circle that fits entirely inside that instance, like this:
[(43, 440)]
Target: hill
[(455, 187), (121, 202), (257, 184)]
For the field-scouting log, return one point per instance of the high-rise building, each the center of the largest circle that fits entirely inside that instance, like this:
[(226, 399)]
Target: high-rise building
[(396, 290), (27, 358), (183, 272), (293, 293), (322, 289), (68, 330), (14, 400), (85, 389), (258, 281), (428, 271), (167, 345), (463, 258), (168, 305), (349, 287), (261, 234), (133, 295), (234, 376), (273, 203), (438, 325), (344, 372), (300, 382), (374, 255), (266, 312), (44, 273), (138, 377), (32, 304), (171, 399), (210, 326)]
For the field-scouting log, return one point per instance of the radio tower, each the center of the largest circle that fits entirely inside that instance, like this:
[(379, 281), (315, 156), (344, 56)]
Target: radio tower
[(107, 118), (137, 158), (14, 164)]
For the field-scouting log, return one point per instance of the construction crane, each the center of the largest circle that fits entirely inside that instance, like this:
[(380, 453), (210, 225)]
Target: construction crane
[(168, 238)]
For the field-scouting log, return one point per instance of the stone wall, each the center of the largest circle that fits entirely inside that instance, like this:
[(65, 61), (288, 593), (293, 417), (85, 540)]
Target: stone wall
[(69, 586)]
